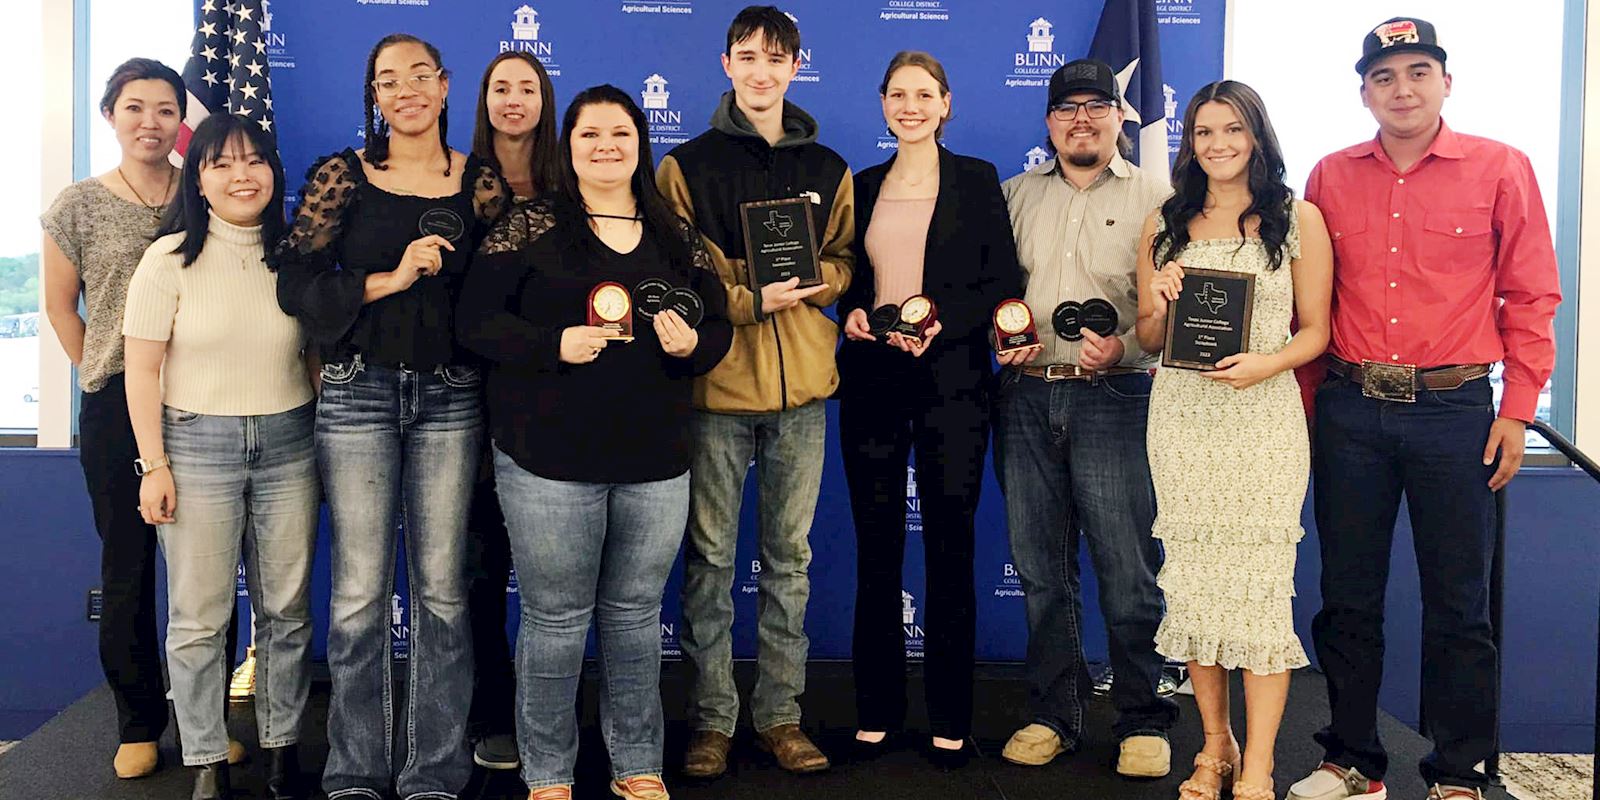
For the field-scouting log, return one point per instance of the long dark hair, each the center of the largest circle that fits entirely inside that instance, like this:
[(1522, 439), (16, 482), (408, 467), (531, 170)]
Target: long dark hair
[(1271, 200), (189, 213), (376, 152), (664, 226), (542, 170)]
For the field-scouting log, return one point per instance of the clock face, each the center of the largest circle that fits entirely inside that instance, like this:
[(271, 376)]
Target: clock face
[(611, 303), (916, 309), (1013, 317)]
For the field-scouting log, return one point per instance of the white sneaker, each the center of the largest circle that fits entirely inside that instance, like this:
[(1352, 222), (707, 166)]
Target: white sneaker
[(1333, 782)]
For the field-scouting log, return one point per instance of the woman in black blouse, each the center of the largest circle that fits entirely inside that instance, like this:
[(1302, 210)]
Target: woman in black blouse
[(515, 134), (930, 223), (372, 267), (591, 433)]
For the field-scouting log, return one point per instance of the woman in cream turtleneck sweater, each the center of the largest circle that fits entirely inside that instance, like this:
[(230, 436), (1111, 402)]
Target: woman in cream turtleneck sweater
[(221, 404)]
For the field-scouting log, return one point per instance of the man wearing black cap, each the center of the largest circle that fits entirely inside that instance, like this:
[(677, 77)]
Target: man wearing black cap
[(1443, 264), (1070, 428)]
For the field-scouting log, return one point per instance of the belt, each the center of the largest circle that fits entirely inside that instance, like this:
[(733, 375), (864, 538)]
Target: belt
[(1399, 382), (1073, 372)]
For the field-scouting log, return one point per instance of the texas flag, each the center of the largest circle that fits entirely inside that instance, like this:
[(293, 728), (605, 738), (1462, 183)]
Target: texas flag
[(1128, 40)]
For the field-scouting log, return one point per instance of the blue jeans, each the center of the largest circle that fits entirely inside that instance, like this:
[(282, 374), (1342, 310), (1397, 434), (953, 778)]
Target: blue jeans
[(787, 447), (393, 442), (590, 551), (1368, 453), (247, 482), (1071, 460)]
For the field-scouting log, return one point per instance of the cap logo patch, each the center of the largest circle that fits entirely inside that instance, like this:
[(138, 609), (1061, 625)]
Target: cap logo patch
[(1076, 71), (1399, 32)]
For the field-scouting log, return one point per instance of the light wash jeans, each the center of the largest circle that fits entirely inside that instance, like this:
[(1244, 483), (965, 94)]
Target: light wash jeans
[(600, 552), (393, 444), (787, 447), (250, 483)]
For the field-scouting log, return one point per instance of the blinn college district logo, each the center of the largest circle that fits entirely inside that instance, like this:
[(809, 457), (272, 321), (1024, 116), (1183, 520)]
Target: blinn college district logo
[(1032, 67), (666, 124), (525, 38)]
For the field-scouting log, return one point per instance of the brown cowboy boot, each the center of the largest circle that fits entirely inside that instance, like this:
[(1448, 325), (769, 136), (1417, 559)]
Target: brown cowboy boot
[(792, 748)]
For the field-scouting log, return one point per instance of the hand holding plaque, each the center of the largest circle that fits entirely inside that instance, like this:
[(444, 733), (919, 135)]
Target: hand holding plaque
[(611, 308), (780, 242), (1210, 320)]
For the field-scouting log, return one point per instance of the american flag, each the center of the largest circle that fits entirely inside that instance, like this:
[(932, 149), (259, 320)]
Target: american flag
[(1127, 38), (227, 70)]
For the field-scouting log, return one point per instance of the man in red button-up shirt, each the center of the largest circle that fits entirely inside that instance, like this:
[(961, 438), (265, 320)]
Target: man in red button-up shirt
[(1443, 264)]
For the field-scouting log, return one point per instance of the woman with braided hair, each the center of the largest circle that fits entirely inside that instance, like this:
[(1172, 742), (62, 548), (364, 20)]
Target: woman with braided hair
[(371, 267)]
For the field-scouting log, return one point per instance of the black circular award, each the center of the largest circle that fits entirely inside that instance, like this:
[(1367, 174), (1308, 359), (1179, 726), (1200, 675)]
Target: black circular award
[(442, 222), (648, 295), (1067, 319), (1099, 316), (883, 319), (686, 304)]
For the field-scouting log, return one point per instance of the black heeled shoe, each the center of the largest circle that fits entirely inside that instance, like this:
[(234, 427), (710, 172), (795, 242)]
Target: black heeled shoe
[(862, 751), (212, 782), (283, 773), (948, 759)]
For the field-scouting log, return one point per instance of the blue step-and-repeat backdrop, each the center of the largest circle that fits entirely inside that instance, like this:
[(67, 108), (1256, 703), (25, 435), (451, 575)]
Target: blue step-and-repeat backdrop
[(998, 54)]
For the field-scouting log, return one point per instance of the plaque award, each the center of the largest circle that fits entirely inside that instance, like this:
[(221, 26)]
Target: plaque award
[(1013, 327), (1210, 320), (688, 306), (647, 297), (442, 222), (780, 242), (1100, 316), (883, 319), (1067, 319), (917, 314), (612, 309)]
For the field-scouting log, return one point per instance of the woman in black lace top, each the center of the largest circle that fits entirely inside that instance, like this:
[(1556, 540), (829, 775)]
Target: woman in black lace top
[(371, 267), (591, 434)]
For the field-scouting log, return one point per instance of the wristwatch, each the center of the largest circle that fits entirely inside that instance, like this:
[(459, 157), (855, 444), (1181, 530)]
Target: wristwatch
[(145, 466)]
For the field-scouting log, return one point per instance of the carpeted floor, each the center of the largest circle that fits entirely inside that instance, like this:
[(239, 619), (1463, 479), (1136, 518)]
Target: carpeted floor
[(69, 757)]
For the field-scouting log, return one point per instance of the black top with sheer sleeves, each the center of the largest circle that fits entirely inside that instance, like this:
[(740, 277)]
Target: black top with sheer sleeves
[(622, 418), (346, 229)]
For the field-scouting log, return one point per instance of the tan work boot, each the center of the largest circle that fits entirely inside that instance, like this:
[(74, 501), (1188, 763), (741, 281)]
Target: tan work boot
[(793, 749), (1144, 756), (136, 759), (1033, 746), (707, 755)]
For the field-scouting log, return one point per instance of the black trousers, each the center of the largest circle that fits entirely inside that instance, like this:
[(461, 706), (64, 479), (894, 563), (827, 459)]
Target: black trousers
[(877, 430), (494, 684), (130, 651)]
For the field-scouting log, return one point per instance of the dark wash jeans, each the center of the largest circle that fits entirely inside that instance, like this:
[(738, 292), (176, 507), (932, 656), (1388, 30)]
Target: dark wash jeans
[(1366, 454), (1071, 461)]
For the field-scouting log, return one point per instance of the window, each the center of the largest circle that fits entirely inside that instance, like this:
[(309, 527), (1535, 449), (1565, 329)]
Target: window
[(20, 55), (1312, 91)]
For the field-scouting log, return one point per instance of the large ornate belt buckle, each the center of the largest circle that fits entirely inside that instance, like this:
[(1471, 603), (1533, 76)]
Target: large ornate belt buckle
[(1393, 382)]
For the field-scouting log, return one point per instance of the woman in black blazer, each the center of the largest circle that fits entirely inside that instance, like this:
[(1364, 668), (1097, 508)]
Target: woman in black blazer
[(934, 224)]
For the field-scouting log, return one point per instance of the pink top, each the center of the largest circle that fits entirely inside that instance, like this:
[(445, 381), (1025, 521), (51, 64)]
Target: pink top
[(895, 242)]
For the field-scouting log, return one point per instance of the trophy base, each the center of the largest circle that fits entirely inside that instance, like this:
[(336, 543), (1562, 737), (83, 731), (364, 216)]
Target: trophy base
[(242, 687)]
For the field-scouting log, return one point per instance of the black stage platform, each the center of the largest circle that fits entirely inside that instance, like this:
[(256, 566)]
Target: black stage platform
[(70, 756)]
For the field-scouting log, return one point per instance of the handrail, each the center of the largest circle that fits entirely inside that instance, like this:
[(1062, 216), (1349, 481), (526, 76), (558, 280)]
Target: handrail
[(1586, 464), (1567, 448)]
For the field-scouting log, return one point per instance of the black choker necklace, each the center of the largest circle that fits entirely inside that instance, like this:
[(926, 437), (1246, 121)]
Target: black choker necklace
[(634, 218)]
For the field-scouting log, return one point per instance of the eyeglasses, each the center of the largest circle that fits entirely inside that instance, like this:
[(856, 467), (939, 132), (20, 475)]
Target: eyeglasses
[(418, 82), (1068, 111)]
